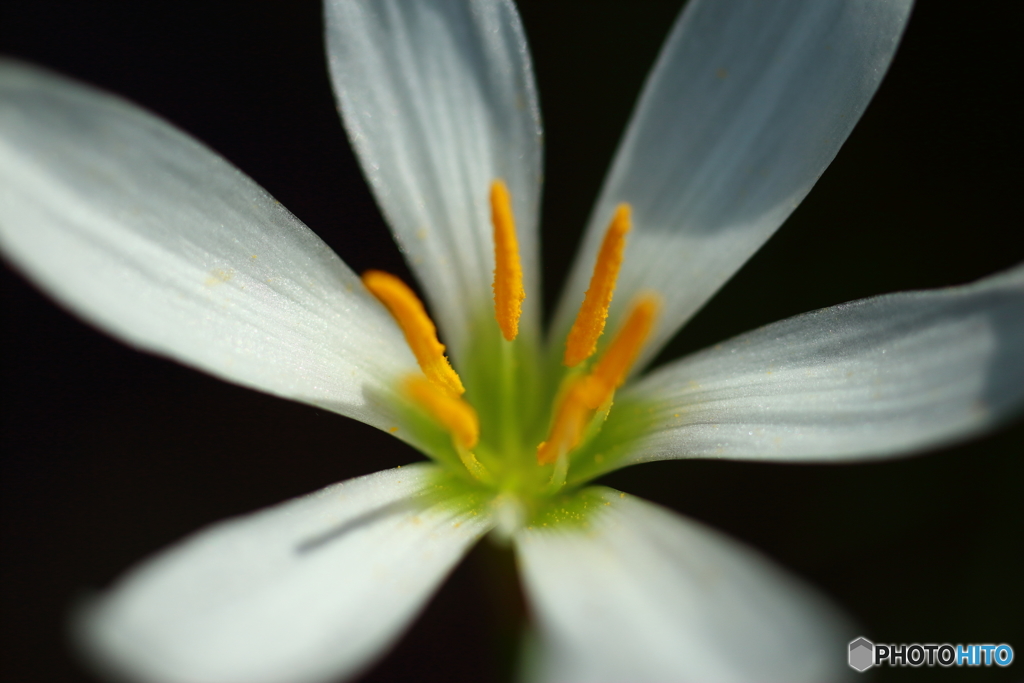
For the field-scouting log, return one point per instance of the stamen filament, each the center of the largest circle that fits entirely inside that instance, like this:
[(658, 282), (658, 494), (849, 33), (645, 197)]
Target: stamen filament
[(419, 330), (453, 413), (471, 463), (508, 271), (590, 321)]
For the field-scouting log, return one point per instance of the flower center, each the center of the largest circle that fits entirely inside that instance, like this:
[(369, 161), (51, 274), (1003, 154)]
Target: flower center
[(522, 420)]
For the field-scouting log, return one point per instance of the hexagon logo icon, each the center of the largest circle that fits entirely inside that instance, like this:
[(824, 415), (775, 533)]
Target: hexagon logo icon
[(862, 654)]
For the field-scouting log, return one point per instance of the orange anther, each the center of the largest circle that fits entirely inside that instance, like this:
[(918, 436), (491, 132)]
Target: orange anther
[(419, 330), (453, 413), (587, 394), (582, 340), (508, 271), (610, 372), (571, 420)]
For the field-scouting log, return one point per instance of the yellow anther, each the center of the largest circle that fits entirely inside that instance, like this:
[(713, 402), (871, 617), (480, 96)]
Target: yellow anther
[(610, 372), (453, 413), (419, 330), (571, 420), (587, 394), (582, 340), (508, 272)]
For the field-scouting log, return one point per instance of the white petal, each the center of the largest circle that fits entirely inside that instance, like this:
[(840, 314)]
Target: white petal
[(142, 231), (747, 105), (887, 375), (642, 594), (309, 590), (438, 100)]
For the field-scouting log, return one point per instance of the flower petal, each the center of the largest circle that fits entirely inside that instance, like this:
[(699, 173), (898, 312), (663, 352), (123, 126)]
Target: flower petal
[(142, 231), (642, 594), (438, 100), (309, 590), (747, 105), (876, 377)]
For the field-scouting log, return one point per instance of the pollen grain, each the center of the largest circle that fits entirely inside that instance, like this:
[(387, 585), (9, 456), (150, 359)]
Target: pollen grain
[(419, 330), (589, 324), (508, 270)]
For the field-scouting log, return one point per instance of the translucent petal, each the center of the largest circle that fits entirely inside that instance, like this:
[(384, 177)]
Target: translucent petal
[(309, 590), (747, 105), (438, 100), (142, 231), (876, 377), (642, 594)]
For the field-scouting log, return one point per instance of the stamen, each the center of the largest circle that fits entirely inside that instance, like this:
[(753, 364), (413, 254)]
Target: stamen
[(570, 423), (508, 271), (582, 340), (610, 372), (589, 393), (454, 414), (419, 330)]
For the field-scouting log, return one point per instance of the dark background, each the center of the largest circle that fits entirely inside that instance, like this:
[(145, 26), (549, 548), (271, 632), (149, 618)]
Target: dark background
[(109, 455)]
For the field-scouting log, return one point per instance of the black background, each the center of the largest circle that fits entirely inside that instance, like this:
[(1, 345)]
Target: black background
[(109, 454)]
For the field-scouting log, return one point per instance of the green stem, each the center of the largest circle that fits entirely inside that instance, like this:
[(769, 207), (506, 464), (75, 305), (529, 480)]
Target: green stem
[(509, 421)]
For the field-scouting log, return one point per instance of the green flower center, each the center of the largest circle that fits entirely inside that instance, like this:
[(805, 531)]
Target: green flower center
[(522, 426)]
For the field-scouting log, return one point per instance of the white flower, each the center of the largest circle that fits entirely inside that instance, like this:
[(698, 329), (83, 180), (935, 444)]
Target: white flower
[(150, 236)]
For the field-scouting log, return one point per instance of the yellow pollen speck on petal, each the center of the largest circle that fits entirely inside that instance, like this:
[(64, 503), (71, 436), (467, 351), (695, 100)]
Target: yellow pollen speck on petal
[(219, 276), (582, 340), (508, 271), (419, 330), (453, 413)]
